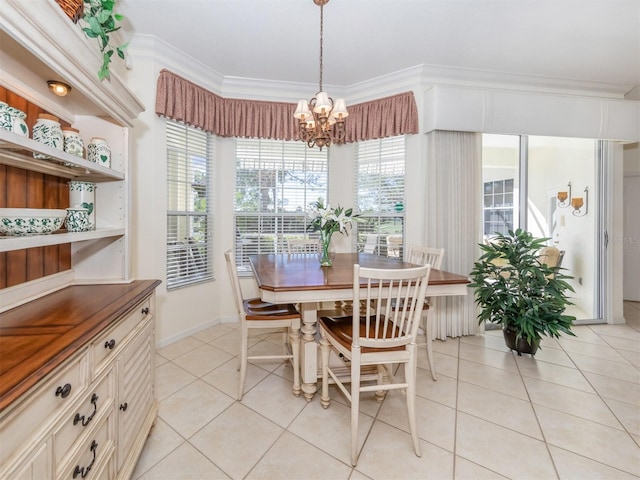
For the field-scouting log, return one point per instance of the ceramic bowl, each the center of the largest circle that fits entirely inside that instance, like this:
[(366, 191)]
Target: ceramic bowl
[(30, 221)]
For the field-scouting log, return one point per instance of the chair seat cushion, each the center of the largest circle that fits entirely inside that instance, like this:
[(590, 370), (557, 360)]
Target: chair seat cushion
[(341, 329), (256, 309)]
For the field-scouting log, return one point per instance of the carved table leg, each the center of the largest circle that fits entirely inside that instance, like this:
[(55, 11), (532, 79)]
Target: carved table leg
[(309, 350)]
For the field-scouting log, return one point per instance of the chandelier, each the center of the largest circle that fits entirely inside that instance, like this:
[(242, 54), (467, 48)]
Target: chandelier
[(321, 119)]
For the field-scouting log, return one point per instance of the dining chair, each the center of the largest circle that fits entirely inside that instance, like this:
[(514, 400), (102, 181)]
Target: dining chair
[(256, 314), (421, 255), (303, 245), (377, 335)]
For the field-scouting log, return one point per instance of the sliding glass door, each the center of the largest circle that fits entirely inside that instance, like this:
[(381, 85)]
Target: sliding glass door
[(549, 186)]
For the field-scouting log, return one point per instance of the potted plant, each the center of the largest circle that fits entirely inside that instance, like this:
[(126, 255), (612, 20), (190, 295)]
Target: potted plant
[(515, 290)]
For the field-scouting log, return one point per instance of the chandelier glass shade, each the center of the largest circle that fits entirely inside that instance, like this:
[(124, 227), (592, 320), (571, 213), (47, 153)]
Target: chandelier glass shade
[(321, 119)]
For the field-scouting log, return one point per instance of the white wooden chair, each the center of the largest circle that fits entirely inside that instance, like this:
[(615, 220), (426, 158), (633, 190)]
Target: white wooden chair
[(378, 335), (256, 314), (427, 256), (303, 245)]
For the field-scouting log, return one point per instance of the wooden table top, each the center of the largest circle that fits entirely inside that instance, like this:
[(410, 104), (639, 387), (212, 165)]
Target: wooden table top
[(38, 336), (284, 272)]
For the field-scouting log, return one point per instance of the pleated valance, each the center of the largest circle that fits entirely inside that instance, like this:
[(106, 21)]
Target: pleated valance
[(182, 100)]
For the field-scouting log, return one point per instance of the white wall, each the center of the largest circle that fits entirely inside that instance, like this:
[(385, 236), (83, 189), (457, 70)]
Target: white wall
[(631, 233), (184, 311)]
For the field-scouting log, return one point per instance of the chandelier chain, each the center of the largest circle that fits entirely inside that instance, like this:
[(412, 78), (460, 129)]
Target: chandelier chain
[(321, 37)]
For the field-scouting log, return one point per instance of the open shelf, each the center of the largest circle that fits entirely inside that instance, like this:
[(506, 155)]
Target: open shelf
[(17, 151), (10, 243)]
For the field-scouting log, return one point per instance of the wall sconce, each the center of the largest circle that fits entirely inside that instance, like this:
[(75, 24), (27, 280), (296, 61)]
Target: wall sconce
[(577, 203), (564, 198), (59, 88)]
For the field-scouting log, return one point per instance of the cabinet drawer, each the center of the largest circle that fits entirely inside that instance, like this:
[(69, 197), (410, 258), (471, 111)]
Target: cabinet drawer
[(40, 408), (104, 348), (89, 456), (97, 401)]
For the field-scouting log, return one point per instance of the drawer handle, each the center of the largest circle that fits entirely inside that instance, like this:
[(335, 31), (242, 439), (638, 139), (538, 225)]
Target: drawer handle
[(123, 406), (63, 391), (80, 418), (84, 471), (110, 344), (145, 311)]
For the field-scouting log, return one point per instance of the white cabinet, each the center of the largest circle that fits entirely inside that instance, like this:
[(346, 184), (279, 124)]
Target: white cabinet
[(90, 417)]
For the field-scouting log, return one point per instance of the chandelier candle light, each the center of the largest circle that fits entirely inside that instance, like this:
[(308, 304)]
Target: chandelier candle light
[(321, 119), (327, 220)]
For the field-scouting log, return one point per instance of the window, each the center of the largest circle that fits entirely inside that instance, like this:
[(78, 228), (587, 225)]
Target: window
[(498, 206), (379, 176), (276, 181), (189, 205)]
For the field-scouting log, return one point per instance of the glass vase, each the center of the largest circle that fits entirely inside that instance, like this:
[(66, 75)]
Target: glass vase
[(325, 241)]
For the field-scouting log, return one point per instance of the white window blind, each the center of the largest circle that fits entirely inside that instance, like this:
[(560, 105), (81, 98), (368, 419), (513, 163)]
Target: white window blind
[(189, 205), (276, 181), (379, 191)]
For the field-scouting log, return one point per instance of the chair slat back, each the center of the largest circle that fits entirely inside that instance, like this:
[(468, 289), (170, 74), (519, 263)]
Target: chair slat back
[(420, 255), (303, 245), (375, 293), (235, 282)]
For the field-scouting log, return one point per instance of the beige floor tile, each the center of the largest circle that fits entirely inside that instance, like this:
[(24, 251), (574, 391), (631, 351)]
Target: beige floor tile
[(436, 422), (571, 466), (209, 334), (179, 348), (448, 347), (499, 408), (356, 475), (488, 340), (569, 400), (627, 413), (601, 351), (619, 331), (631, 356), (583, 334), (443, 391), (388, 454), (613, 388), (160, 360), (502, 450), (549, 372), (444, 364), (589, 439), (162, 440), (494, 378), (236, 440), (291, 457), (170, 378), (192, 407), (202, 359), (465, 470), (273, 398), (230, 342), (621, 371), (227, 377), (553, 355), (330, 429), (492, 358), (185, 463)]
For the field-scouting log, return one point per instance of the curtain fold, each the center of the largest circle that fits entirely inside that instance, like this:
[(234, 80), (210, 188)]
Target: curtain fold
[(182, 100), (454, 180)]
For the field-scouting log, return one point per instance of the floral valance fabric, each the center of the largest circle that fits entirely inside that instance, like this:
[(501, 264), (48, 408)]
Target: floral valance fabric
[(182, 100)]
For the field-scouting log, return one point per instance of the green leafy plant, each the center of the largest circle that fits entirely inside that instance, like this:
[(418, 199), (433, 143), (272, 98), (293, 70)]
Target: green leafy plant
[(515, 290), (101, 21)]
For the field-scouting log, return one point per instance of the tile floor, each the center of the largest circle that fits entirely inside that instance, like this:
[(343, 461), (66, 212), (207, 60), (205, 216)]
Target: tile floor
[(572, 412)]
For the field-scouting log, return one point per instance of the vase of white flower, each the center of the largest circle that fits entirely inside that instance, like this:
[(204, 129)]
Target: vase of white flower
[(327, 221)]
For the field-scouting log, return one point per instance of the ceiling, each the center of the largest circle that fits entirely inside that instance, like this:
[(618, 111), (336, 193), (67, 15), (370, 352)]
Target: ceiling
[(570, 40)]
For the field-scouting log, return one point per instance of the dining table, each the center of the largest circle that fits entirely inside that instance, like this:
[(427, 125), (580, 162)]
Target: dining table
[(299, 279)]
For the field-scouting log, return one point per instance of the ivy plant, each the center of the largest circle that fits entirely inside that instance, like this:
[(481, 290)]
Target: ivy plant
[(101, 21)]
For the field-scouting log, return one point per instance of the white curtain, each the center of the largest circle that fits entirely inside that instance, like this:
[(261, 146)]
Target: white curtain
[(453, 222)]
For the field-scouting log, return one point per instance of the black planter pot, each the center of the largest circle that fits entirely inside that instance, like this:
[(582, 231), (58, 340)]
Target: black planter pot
[(521, 346)]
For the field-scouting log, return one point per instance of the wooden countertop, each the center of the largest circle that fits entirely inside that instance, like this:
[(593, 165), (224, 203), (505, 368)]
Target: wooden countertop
[(38, 336)]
